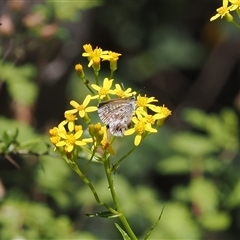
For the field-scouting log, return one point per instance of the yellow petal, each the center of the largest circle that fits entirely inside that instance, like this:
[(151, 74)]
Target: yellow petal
[(78, 134), (80, 143), (225, 3), (69, 148), (137, 140), (71, 126), (129, 131), (60, 144), (91, 109), (215, 17), (96, 87), (74, 104), (81, 113), (86, 100)]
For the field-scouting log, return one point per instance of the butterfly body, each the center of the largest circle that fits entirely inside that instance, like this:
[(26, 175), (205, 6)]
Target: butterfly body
[(117, 114)]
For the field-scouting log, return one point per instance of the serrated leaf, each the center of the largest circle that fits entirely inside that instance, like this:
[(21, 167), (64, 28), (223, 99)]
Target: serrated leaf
[(153, 226), (124, 234)]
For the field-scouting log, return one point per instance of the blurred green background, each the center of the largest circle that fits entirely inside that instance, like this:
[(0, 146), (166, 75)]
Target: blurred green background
[(169, 50)]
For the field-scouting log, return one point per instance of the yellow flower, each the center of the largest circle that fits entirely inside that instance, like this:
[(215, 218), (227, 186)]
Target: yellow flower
[(100, 137), (141, 128), (112, 57), (79, 70), (53, 131), (54, 138), (144, 101), (149, 118), (82, 109), (163, 113), (91, 54), (70, 120), (105, 89), (122, 94), (105, 144), (222, 11), (235, 5), (69, 140), (87, 48)]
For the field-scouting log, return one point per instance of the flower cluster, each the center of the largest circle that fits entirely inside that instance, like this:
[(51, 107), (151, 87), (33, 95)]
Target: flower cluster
[(146, 118), (224, 11)]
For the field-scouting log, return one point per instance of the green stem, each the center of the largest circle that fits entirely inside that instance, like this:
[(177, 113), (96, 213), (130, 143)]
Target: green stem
[(86, 83), (74, 166), (234, 23), (90, 160), (96, 78), (89, 89), (111, 74), (117, 164), (108, 171)]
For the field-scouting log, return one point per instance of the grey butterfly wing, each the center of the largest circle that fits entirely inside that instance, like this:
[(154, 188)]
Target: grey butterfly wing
[(117, 115)]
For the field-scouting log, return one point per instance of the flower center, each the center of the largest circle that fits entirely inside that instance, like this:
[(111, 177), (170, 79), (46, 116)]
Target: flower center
[(70, 139), (237, 2), (70, 117), (140, 128), (142, 101), (103, 91), (105, 144), (222, 10), (150, 119), (55, 139), (81, 107), (120, 93)]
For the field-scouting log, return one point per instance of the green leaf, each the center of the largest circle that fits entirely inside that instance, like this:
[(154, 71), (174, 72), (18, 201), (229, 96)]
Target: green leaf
[(222, 129), (65, 11), (20, 82), (153, 226), (174, 165), (233, 199), (37, 146), (205, 194), (193, 145), (195, 117), (24, 92), (216, 221), (124, 234), (9, 136), (106, 214)]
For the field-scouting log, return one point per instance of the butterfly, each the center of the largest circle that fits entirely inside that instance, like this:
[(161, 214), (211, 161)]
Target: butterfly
[(117, 114)]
